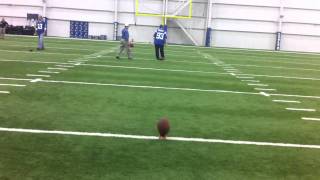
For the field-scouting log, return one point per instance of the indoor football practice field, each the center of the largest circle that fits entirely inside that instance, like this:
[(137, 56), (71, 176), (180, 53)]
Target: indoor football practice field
[(73, 111)]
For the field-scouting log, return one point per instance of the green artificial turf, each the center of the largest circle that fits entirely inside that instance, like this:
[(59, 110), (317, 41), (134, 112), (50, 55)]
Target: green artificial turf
[(177, 88)]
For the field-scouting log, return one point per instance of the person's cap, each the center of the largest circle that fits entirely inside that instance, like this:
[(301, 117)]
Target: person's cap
[(126, 25)]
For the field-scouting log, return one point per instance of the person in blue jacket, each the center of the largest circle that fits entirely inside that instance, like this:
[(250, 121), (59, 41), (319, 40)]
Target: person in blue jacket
[(124, 43), (41, 29), (160, 37)]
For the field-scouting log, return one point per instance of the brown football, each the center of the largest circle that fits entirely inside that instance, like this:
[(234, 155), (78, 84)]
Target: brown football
[(163, 127)]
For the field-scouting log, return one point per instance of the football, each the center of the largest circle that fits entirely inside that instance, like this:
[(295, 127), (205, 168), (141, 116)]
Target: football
[(163, 128)]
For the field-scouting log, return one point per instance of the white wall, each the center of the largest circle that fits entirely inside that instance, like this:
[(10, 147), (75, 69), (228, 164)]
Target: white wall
[(235, 23), (253, 24)]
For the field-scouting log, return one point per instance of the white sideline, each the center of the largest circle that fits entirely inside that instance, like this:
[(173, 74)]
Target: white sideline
[(184, 139), (14, 85), (4, 92), (300, 109), (285, 101), (311, 119)]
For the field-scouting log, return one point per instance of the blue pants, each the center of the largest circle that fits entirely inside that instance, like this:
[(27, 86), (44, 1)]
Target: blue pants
[(40, 41)]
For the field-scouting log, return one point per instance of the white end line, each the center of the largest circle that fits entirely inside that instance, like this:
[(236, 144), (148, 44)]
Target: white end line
[(4, 92), (125, 136), (300, 109)]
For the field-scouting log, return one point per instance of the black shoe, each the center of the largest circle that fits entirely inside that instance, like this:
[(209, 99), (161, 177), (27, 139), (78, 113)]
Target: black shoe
[(117, 57), (38, 49)]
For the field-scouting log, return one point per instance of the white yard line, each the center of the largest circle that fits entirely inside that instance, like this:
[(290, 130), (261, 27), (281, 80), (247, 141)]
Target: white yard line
[(311, 119), (74, 61), (64, 66), (294, 95), (262, 89), (14, 85), (255, 81), (37, 62), (49, 72), (244, 77), (272, 67), (284, 77), (80, 60), (141, 137), (37, 75), (62, 69), (300, 109), (154, 69), (265, 94), (285, 101), (36, 80), (4, 92), (263, 85), (35, 52), (151, 87), (236, 71), (157, 87), (239, 75)]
